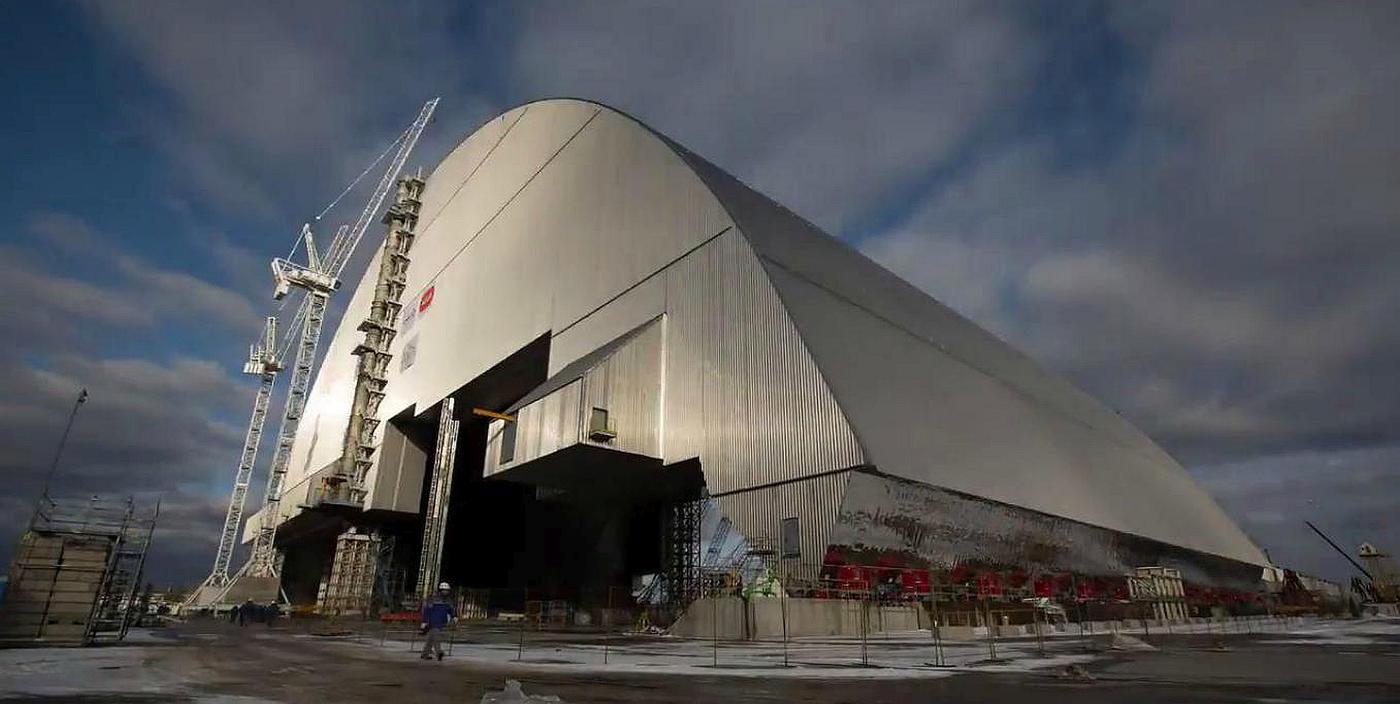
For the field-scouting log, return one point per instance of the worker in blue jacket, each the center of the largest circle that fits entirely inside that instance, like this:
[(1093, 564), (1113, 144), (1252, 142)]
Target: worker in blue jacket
[(437, 615)]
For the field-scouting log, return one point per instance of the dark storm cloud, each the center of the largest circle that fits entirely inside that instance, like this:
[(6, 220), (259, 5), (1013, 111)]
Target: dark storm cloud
[(1226, 277), (1349, 495), (153, 428)]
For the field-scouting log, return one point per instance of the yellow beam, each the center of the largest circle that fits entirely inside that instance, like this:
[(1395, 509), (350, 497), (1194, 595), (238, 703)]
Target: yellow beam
[(493, 414)]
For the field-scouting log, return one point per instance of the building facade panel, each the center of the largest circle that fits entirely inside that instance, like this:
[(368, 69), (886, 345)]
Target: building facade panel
[(548, 214), (626, 388), (779, 358), (758, 514), (925, 416), (742, 392)]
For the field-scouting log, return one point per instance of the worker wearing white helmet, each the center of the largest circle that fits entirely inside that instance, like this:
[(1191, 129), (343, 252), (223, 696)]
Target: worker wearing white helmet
[(438, 614)]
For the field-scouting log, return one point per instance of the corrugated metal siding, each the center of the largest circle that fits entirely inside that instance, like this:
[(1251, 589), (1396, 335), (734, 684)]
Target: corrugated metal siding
[(548, 425), (565, 213), (644, 302), (742, 392), (816, 502), (628, 386), (540, 217)]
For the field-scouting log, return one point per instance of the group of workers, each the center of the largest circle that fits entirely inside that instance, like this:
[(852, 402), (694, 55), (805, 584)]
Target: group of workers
[(250, 611), (438, 613)]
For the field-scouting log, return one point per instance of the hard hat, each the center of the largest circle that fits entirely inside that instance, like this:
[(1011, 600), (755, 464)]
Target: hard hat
[(444, 587)]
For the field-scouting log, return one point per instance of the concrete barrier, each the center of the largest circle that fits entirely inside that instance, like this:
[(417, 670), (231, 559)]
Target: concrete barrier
[(762, 618)]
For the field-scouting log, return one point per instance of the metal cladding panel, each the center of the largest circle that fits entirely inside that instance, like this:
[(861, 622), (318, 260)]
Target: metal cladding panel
[(628, 386), (401, 468), (742, 393), (935, 398), (495, 431), (547, 425), (542, 216), (639, 304), (781, 237), (626, 383), (606, 205), (913, 524), (925, 415), (480, 271), (816, 502)]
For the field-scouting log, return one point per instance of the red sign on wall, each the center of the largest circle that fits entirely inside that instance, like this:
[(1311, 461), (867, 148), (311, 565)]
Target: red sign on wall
[(426, 300)]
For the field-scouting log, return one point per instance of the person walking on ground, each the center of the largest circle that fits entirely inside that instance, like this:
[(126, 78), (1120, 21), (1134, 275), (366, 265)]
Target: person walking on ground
[(245, 612), (437, 615), (233, 614)]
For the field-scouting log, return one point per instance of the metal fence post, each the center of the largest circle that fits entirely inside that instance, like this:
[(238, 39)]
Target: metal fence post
[(936, 626), (991, 630), (524, 614), (1039, 637), (714, 629), (865, 629), (607, 625), (783, 606)]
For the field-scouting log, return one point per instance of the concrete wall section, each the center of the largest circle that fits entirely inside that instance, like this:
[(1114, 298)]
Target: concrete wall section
[(733, 618)]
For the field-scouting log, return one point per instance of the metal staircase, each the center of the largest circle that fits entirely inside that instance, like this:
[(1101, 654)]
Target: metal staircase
[(115, 609)]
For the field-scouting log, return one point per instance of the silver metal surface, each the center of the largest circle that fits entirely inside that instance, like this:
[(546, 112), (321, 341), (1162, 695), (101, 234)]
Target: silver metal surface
[(759, 513), (742, 392), (785, 354)]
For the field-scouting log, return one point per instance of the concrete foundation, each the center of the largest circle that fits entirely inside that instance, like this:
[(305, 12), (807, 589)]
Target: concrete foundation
[(734, 618)]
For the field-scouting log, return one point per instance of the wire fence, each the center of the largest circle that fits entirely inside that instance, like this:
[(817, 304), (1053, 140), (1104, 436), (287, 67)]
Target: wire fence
[(737, 627)]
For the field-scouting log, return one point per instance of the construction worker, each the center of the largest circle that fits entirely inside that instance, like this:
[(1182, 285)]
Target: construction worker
[(437, 615)]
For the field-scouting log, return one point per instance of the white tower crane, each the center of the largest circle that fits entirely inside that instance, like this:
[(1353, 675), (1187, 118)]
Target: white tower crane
[(262, 363), (319, 277)]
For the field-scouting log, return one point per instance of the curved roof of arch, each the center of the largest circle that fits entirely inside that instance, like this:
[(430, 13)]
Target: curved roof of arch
[(929, 395)]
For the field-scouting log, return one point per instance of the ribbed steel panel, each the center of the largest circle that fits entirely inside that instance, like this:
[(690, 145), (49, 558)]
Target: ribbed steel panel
[(639, 304), (816, 502), (742, 392), (537, 220), (937, 399), (628, 386), (547, 425)]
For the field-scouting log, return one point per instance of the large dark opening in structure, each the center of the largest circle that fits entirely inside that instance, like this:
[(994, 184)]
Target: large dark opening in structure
[(606, 524)]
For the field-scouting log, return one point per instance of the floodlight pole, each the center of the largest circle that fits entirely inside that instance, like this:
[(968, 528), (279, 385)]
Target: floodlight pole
[(82, 398)]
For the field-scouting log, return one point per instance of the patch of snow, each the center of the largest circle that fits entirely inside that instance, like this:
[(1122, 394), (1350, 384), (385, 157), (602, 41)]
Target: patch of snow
[(1123, 641), (513, 694)]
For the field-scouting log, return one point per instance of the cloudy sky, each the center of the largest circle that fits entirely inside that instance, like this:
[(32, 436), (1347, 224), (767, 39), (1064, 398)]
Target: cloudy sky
[(1191, 209)]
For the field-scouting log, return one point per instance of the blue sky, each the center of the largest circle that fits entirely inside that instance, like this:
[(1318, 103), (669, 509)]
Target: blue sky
[(1188, 208)]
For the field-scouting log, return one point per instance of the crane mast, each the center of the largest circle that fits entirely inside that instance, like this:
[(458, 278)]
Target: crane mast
[(262, 363), (319, 278)]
